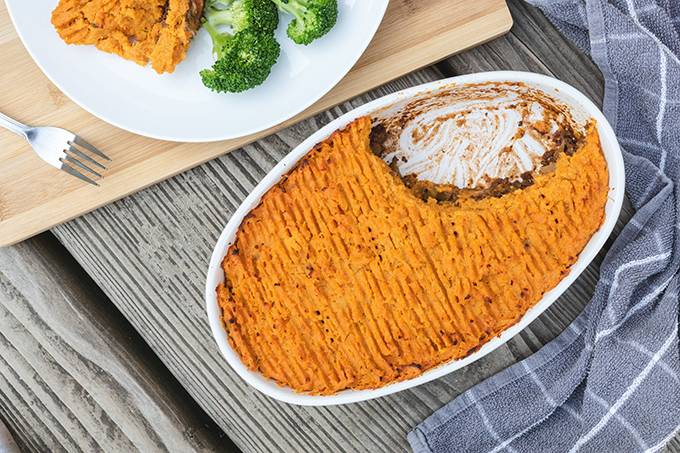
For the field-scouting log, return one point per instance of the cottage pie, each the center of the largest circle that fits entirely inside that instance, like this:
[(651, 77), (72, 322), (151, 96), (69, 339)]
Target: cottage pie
[(144, 31), (365, 266)]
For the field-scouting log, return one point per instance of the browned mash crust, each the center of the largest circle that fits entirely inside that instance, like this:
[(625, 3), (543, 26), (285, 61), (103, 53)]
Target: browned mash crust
[(144, 31), (342, 278)]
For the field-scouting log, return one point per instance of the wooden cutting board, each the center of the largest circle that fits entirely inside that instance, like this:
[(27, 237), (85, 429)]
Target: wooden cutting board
[(34, 196)]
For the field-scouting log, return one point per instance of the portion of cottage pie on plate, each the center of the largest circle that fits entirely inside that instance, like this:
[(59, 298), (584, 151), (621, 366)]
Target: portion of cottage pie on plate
[(153, 31), (411, 238)]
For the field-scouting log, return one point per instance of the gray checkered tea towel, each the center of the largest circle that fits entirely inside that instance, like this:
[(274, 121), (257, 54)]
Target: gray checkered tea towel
[(609, 383)]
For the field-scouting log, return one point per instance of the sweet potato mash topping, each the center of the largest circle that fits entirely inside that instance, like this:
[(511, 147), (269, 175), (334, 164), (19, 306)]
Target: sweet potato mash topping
[(144, 31), (343, 278)]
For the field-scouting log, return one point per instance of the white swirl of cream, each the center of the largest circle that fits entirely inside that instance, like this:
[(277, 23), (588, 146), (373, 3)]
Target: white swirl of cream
[(469, 142)]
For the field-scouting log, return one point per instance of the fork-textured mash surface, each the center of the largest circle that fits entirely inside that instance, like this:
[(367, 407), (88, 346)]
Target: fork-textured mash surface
[(342, 278)]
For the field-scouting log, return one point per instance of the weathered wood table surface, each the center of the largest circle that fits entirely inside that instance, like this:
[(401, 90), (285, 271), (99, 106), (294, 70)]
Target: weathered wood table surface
[(104, 344)]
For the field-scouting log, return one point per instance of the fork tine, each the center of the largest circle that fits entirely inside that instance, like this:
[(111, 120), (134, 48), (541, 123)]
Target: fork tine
[(71, 171), (84, 144), (80, 164), (82, 155)]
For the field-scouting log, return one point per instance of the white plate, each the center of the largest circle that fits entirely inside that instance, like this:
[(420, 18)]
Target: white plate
[(177, 106), (581, 107)]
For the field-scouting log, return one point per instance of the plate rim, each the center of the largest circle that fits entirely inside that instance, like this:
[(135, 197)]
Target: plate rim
[(613, 156), (349, 64)]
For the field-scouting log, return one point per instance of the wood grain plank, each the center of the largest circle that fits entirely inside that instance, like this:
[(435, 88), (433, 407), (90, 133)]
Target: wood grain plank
[(157, 243), (74, 376), (7, 440), (674, 445)]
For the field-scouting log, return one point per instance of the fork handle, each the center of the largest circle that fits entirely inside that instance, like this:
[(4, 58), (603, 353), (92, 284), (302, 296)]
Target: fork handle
[(13, 125)]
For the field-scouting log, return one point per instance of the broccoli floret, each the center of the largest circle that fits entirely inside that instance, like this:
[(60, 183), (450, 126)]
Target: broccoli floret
[(245, 61), (257, 15), (242, 33), (312, 18)]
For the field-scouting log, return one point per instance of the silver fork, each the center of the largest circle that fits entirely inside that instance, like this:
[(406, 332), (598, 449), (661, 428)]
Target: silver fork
[(61, 149)]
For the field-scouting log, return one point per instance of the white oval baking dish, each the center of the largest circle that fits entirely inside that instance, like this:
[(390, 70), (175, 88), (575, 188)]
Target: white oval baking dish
[(568, 95)]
